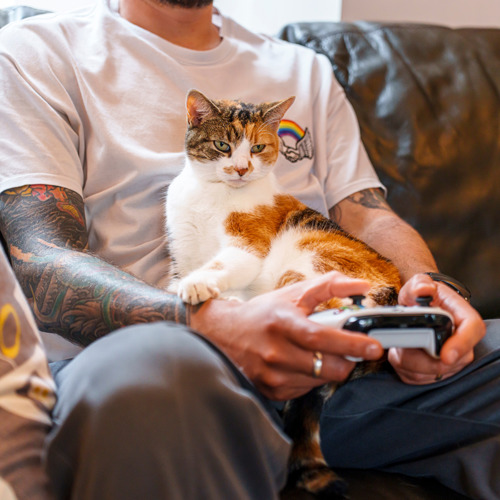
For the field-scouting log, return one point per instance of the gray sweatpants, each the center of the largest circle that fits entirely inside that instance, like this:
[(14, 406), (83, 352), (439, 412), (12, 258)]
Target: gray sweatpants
[(153, 412)]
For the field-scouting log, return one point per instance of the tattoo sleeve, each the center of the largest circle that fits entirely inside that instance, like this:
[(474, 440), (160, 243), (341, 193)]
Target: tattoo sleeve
[(72, 292)]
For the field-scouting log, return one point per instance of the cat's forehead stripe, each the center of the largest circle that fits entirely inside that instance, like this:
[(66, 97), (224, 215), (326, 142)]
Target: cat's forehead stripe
[(240, 111)]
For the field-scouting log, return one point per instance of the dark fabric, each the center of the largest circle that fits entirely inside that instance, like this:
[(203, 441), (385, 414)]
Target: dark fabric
[(448, 430), (428, 103)]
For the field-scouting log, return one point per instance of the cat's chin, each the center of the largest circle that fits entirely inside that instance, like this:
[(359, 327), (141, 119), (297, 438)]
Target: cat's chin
[(237, 183)]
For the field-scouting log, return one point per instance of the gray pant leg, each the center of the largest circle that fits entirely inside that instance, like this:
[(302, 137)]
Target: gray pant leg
[(449, 430), (152, 412)]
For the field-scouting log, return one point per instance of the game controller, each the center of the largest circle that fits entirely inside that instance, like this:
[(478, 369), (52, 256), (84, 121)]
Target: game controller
[(420, 326)]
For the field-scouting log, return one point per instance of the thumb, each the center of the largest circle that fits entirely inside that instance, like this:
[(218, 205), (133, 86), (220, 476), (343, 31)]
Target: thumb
[(333, 284)]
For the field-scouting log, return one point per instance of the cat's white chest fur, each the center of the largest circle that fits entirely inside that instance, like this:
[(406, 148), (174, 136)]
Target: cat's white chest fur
[(231, 149), (196, 212)]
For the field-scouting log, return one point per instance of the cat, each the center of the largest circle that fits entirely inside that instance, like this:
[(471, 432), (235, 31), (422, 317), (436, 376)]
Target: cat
[(232, 233)]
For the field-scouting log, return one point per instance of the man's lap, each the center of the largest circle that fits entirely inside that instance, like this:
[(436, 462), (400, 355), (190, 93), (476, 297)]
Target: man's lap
[(430, 430), (380, 422)]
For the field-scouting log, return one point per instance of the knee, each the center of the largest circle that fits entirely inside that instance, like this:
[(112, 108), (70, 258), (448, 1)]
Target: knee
[(155, 370)]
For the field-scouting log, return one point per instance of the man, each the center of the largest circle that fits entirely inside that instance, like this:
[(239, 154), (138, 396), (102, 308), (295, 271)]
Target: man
[(93, 134)]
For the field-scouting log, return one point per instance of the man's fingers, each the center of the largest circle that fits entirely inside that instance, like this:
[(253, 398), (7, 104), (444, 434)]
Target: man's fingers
[(414, 366), (313, 292), (469, 326), (328, 340), (420, 285)]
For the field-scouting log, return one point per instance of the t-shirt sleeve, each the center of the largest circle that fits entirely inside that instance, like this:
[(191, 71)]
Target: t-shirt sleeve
[(349, 169), (41, 139)]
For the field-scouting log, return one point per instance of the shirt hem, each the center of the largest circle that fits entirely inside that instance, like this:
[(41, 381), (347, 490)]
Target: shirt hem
[(30, 179)]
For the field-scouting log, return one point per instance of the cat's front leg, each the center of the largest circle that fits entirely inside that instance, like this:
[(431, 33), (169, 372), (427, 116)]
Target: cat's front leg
[(231, 269), (199, 286)]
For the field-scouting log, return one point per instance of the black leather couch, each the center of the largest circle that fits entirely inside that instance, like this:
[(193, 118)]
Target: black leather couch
[(428, 102)]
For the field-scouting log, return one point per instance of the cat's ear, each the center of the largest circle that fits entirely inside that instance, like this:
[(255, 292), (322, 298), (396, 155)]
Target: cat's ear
[(199, 108), (274, 112)]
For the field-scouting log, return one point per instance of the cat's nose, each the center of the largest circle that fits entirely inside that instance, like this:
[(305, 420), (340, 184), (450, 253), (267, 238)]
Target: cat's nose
[(241, 171)]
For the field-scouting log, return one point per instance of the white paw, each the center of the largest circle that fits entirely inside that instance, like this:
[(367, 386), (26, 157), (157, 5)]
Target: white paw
[(198, 287)]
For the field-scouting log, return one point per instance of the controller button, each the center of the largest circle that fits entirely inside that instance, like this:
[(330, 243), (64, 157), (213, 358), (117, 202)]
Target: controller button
[(424, 301), (357, 300)]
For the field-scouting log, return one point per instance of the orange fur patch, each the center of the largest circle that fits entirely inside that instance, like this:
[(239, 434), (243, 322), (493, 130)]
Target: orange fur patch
[(332, 250), (308, 450), (260, 133), (255, 230), (336, 251), (289, 277)]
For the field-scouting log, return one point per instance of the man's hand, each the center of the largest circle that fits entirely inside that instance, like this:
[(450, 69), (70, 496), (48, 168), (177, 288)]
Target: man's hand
[(273, 342), (414, 366)]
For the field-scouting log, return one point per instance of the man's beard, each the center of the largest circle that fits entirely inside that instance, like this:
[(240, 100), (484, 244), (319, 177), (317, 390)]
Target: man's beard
[(187, 4)]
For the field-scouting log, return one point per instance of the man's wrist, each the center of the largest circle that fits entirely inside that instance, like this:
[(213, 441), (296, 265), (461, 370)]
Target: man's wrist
[(207, 317), (453, 283)]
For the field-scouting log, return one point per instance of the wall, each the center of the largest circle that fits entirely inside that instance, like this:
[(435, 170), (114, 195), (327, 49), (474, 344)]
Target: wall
[(266, 16), (54, 5), (449, 12), (270, 15)]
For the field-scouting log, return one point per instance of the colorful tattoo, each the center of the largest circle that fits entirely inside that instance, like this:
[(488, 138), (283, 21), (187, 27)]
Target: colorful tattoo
[(73, 292)]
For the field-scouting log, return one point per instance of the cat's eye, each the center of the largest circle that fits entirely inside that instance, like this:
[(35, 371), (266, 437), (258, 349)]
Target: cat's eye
[(222, 146), (258, 148)]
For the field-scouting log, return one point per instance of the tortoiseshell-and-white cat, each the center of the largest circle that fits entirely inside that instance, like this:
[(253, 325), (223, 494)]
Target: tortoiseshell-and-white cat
[(231, 232)]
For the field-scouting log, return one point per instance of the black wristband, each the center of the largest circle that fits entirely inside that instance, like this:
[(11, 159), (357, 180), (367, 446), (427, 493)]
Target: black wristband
[(454, 284)]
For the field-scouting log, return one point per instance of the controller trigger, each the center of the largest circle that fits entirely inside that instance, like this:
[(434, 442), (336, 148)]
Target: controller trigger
[(424, 301), (357, 300)]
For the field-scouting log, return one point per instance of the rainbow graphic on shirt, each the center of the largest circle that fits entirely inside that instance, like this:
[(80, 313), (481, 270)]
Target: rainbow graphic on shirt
[(295, 142), (291, 129)]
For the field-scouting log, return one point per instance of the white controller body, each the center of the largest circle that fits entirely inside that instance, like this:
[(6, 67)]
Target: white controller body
[(394, 326)]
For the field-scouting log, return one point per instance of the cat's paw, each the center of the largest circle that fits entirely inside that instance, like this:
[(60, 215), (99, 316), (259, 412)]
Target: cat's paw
[(198, 287)]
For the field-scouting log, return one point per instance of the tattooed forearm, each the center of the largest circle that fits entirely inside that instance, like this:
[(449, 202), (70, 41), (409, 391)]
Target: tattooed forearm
[(83, 298), (72, 292)]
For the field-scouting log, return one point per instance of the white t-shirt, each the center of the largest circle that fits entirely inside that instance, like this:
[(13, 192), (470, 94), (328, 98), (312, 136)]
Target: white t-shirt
[(96, 104)]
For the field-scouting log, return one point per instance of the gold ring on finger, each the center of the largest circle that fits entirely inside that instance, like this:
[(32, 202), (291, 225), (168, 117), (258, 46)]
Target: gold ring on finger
[(317, 364)]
